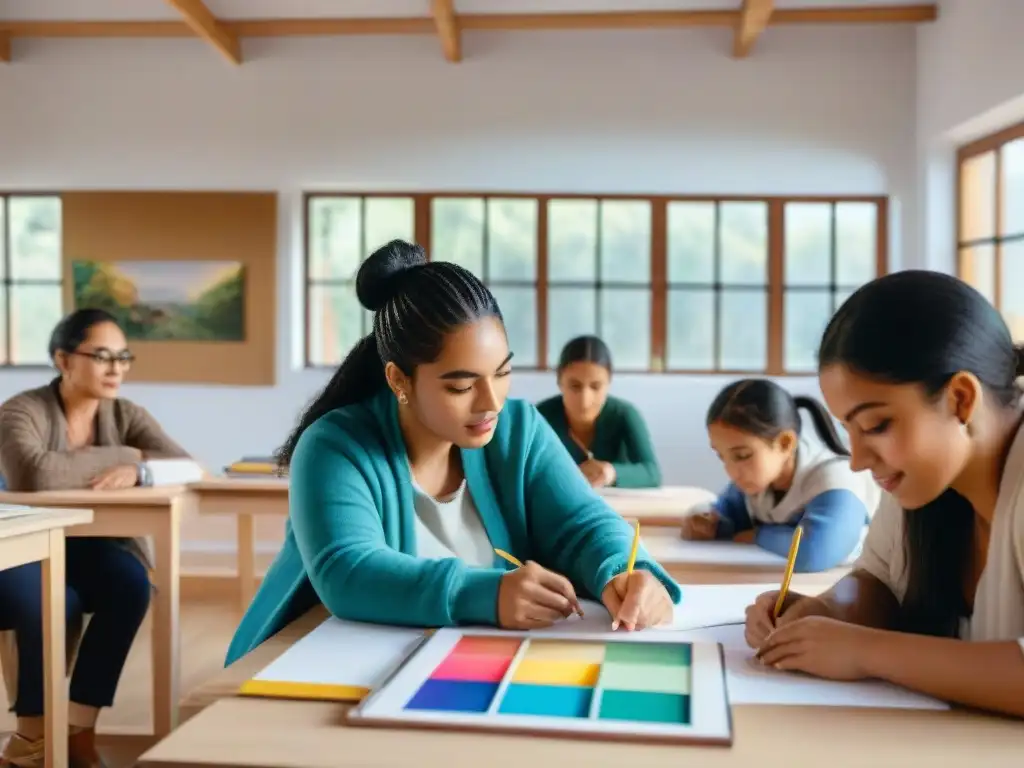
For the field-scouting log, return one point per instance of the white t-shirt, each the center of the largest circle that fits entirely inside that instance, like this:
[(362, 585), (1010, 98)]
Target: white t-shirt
[(451, 527), (999, 600)]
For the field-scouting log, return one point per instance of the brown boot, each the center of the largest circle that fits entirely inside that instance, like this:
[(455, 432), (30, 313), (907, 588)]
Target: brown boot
[(20, 752), (82, 750)]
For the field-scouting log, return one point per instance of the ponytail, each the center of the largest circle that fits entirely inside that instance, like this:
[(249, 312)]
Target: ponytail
[(360, 376), (823, 425)]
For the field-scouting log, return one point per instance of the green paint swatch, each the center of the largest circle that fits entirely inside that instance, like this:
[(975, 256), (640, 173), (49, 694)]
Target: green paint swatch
[(648, 653), (658, 678), (643, 706)]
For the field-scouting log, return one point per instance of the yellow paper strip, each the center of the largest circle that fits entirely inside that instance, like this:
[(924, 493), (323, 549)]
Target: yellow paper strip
[(314, 691)]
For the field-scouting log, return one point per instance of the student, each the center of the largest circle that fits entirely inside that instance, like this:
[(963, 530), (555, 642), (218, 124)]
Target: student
[(780, 480), (606, 436), (76, 432), (921, 369), (411, 467)]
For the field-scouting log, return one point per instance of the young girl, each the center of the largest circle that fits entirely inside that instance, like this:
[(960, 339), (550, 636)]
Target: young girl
[(921, 369), (76, 432), (411, 467), (780, 480), (605, 435)]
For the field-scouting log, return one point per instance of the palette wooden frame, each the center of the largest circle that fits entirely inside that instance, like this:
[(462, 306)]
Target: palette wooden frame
[(710, 713)]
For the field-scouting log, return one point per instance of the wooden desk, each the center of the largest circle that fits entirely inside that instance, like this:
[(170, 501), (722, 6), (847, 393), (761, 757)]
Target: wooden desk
[(664, 544), (39, 537), (665, 506), (267, 733), (154, 513), (244, 498)]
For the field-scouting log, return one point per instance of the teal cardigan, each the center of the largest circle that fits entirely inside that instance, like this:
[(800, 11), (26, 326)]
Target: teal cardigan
[(350, 540)]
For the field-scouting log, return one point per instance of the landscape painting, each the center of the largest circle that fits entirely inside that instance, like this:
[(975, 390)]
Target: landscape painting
[(167, 300)]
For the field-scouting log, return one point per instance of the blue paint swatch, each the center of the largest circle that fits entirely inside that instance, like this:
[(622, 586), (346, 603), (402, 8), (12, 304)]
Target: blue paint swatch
[(453, 696), (546, 700)]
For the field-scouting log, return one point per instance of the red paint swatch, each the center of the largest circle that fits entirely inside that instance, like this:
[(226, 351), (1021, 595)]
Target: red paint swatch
[(488, 646), (474, 667)]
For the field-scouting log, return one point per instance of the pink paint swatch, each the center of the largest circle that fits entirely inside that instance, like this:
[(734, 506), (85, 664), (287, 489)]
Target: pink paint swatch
[(472, 666)]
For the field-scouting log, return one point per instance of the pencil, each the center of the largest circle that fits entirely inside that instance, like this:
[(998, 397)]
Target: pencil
[(515, 561), (794, 547), (636, 546), (506, 556)]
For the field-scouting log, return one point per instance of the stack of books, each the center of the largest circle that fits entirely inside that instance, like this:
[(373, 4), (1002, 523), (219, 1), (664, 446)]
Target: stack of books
[(254, 466)]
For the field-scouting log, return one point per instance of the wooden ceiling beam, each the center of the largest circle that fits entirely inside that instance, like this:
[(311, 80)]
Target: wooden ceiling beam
[(236, 29), (753, 20), (447, 29), (204, 24)]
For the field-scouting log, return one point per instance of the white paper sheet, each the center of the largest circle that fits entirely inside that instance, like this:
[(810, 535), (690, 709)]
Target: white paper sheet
[(669, 547), (345, 653), (8, 511)]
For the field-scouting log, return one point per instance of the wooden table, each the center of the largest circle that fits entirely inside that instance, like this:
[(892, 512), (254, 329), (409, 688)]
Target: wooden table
[(243, 498), (154, 513), (666, 546), (656, 507), (39, 537), (267, 733)]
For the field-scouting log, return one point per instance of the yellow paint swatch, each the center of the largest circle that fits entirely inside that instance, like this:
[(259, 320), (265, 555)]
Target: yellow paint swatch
[(559, 672), (310, 691), (552, 650)]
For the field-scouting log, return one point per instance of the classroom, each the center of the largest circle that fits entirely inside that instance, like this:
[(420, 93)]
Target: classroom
[(202, 203)]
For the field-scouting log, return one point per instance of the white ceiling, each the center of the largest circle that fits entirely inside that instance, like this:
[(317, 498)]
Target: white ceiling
[(138, 10)]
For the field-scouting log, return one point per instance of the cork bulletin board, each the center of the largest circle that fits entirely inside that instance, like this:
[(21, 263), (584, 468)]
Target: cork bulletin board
[(162, 238)]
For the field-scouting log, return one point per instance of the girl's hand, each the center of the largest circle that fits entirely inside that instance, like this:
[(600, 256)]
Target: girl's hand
[(700, 526), (116, 478), (637, 600), (532, 597), (745, 537), (598, 473), (821, 647), (760, 616)]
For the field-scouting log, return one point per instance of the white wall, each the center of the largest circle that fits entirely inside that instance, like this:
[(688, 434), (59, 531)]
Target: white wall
[(815, 111), (970, 82)]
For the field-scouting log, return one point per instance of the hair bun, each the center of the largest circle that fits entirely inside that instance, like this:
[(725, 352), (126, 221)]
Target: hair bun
[(379, 277)]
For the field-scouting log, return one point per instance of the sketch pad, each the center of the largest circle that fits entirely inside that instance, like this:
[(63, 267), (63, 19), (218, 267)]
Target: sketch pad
[(574, 686)]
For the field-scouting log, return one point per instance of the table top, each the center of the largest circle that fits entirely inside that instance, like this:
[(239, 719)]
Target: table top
[(272, 733), (43, 520), (241, 485), (136, 497)]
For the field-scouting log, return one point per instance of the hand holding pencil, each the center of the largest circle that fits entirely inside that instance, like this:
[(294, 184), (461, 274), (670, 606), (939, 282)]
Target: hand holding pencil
[(532, 597), (636, 599)]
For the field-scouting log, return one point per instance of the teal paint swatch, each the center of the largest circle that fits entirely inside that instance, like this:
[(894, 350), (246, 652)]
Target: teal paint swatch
[(657, 678), (677, 654), (546, 700), (643, 706)]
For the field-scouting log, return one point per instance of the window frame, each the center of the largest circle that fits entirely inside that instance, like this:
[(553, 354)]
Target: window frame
[(658, 285), (995, 143), (6, 281)]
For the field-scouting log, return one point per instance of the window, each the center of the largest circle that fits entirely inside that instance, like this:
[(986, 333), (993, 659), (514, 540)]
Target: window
[(31, 302), (990, 222), (685, 285)]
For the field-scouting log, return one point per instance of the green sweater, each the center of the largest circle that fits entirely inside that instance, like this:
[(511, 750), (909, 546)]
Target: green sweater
[(620, 438), (350, 541)]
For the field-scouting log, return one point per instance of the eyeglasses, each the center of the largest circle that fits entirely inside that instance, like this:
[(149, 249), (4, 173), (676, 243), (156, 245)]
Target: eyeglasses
[(109, 359)]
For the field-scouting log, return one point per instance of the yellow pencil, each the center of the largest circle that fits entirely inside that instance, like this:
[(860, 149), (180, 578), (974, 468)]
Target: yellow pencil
[(636, 546), (506, 556), (794, 547)]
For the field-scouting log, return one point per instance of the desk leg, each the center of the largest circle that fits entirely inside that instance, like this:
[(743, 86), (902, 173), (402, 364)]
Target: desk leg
[(166, 631), (55, 696), (246, 560)]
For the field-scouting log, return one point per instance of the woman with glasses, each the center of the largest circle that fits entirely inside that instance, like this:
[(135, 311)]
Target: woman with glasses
[(75, 432)]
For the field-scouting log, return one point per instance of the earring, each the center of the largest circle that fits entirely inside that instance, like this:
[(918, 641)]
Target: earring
[(402, 398)]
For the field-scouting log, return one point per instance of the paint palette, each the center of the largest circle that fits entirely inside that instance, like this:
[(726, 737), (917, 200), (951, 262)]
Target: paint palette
[(647, 689)]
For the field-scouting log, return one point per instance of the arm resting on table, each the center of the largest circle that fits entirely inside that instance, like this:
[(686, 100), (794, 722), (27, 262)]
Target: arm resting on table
[(832, 521), (640, 469)]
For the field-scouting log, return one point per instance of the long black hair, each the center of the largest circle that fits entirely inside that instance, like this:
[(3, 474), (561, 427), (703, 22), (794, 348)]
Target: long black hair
[(416, 304), (585, 349), (762, 408), (73, 329), (921, 327)]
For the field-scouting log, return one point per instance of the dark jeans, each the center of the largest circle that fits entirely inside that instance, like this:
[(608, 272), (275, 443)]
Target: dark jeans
[(102, 579)]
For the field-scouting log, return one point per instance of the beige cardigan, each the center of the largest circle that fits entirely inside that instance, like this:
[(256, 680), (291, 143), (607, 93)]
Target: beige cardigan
[(34, 456)]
